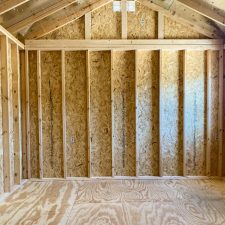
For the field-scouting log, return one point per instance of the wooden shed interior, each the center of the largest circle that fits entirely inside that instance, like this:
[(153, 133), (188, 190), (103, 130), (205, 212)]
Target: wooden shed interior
[(112, 112)]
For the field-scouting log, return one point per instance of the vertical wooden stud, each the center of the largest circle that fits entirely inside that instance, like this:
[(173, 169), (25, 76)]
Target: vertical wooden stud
[(112, 115), (8, 179), (39, 114), (88, 25), (124, 19), (160, 26), (208, 113), (136, 106), (220, 112), (64, 113), (88, 112), (160, 107), (23, 113), (16, 113), (27, 113), (184, 103)]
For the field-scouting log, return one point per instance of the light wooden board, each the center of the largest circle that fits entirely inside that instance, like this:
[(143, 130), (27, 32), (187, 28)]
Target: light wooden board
[(173, 29), (76, 114), (195, 113), (147, 112), (171, 136), (74, 30), (124, 113), (1, 143), (100, 113), (106, 24), (146, 202), (52, 114), (142, 24), (33, 92)]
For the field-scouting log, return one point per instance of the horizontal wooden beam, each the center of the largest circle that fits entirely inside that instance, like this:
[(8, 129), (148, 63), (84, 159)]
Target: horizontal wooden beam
[(204, 10), (11, 38), (152, 44), (43, 13), (7, 5)]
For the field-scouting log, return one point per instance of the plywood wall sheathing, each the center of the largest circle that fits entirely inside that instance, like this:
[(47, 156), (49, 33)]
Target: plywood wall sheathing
[(74, 30), (147, 84), (16, 113), (175, 30), (52, 114), (1, 138), (142, 24), (195, 113), (34, 131), (100, 113), (124, 113), (76, 114), (106, 24), (171, 114)]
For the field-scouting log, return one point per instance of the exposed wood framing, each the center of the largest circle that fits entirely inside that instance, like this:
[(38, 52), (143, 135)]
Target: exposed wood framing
[(27, 114), (39, 15), (16, 114), (7, 5), (88, 113), (112, 115), (160, 107), (5, 114), (64, 113), (184, 109), (136, 119), (201, 27), (221, 131), (208, 104), (39, 115), (160, 26), (195, 44), (88, 25), (48, 26), (204, 10), (124, 19), (11, 38), (23, 113)]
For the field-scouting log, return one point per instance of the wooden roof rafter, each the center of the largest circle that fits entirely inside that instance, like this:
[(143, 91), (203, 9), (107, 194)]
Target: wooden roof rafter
[(7, 5)]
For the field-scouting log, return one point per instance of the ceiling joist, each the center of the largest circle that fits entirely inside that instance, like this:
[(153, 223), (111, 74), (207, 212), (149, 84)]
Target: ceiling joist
[(204, 10), (40, 15), (46, 26), (7, 5)]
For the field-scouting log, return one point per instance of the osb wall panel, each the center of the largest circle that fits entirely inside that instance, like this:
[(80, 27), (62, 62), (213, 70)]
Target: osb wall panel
[(170, 115), (106, 24), (214, 108), (52, 114), (100, 113), (142, 24), (175, 30), (76, 114), (34, 139), (124, 113), (195, 114), (147, 84), (74, 30)]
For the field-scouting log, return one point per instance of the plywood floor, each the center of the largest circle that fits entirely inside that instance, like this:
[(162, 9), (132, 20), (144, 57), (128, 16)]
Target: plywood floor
[(103, 202)]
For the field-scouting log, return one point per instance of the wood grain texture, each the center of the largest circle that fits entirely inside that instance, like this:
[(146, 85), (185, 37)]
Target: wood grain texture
[(52, 114), (76, 114), (142, 24), (147, 112), (170, 115), (195, 113), (106, 24), (100, 113), (124, 113), (34, 131), (146, 202)]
